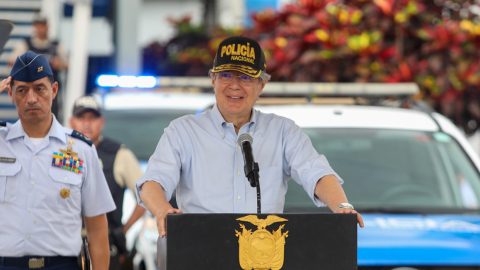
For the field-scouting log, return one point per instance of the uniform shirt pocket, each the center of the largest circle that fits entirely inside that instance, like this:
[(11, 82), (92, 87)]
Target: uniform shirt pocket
[(66, 186), (8, 181)]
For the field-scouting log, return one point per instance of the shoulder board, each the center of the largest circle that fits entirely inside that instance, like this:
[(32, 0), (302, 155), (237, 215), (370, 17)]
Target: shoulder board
[(78, 135), (3, 124)]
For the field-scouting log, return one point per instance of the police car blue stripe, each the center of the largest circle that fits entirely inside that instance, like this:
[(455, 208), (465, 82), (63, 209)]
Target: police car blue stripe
[(412, 239)]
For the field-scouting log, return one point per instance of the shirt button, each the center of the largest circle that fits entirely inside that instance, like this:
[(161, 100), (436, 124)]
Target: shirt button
[(3, 171), (238, 172), (35, 157), (239, 197), (30, 210), (238, 147), (35, 222), (65, 178), (222, 133), (28, 237), (228, 125), (251, 133), (33, 183)]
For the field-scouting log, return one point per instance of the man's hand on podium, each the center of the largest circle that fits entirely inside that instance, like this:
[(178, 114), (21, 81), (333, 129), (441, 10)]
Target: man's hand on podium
[(162, 219), (329, 191), (153, 197), (351, 211)]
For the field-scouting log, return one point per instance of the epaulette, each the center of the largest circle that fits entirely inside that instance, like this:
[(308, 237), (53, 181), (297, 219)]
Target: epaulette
[(3, 124), (78, 135)]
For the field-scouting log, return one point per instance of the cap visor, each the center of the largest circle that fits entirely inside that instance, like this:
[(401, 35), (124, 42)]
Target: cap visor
[(78, 112), (240, 68)]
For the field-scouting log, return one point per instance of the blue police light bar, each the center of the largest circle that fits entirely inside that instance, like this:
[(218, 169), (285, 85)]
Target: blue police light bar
[(126, 81), (146, 82), (107, 80)]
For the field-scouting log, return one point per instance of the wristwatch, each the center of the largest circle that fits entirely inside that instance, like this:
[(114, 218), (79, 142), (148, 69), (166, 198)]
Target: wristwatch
[(344, 205)]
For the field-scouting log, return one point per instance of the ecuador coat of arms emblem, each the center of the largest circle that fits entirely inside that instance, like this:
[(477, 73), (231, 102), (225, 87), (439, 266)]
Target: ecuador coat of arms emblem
[(261, 249)]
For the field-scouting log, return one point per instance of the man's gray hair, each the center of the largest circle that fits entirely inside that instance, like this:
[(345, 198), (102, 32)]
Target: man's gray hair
[(264, 76)]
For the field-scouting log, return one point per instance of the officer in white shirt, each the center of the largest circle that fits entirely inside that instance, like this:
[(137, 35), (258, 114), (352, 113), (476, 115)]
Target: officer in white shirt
[(50, 178)]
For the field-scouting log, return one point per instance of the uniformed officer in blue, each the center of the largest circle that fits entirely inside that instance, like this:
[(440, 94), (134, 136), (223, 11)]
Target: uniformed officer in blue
[(50, 178)]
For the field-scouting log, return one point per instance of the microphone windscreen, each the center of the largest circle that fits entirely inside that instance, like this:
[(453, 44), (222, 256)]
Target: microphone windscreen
[(244, 137)]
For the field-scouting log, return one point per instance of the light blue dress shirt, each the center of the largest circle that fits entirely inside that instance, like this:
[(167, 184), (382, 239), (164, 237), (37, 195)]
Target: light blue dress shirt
[(34, 218), (198, 156)]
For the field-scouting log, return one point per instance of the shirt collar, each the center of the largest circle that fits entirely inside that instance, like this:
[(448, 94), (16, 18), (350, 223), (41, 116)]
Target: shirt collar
[(16, 130), (253, 118), (56, 130), (220, 121), (253, 121), (217, 116)]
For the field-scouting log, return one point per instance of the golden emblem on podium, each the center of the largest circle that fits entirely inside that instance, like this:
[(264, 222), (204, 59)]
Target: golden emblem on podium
[(261, 249)]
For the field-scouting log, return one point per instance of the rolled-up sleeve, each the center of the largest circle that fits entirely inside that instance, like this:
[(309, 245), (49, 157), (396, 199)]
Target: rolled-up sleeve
[(302, 161), (163, 166), (96, 196)]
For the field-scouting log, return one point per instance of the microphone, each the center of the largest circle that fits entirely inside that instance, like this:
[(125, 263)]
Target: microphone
[(245, 142)]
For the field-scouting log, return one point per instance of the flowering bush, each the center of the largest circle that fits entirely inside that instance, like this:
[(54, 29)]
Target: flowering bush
[(433, 43)]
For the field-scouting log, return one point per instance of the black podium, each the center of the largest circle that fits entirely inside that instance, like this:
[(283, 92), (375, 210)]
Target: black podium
[(265, 241)]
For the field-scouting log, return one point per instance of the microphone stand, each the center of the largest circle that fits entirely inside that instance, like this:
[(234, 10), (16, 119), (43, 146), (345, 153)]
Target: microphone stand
[(254, 179)]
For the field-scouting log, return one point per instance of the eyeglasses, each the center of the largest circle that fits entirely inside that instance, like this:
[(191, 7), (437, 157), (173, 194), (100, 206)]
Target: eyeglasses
[(227, 77)]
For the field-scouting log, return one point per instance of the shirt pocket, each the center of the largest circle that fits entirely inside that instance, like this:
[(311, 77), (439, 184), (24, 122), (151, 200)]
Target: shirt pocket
[(8, 181), (66, 188)]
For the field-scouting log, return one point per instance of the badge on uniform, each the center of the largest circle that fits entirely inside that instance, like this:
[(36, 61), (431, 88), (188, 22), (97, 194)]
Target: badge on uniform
[(65, 193), (66, 159), (7, 160)]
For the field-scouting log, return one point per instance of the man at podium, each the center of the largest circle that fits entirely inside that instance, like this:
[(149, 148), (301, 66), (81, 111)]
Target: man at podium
[(200, 158)]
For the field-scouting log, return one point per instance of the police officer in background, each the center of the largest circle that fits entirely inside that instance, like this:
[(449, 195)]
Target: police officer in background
[(50, 178), (40, 43), (120, 167)]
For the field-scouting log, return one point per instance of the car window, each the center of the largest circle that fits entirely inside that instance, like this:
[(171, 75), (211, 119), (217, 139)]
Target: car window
[(394, 168)]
